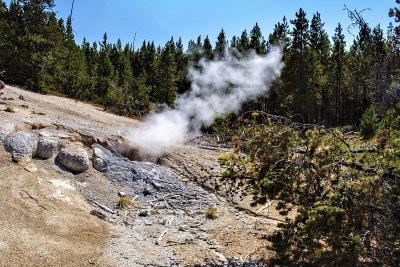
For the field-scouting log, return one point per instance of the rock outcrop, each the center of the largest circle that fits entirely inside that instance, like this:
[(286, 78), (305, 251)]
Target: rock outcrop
[(145, 177), (46, 148), (2, 85), (74, 157), (22, 145)]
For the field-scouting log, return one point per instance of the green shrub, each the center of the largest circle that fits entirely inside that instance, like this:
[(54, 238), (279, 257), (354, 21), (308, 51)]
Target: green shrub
[(369, 123)]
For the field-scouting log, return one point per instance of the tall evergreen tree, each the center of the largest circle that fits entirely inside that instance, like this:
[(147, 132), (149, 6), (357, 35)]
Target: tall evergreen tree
[(338, 61), (167, 90), (221, 45), (105, 73), (379, 70), (244, 42), (300, 97), (75, 79), (280, 34), (319, 67), (257, 42), (181, 67), (208, 50)]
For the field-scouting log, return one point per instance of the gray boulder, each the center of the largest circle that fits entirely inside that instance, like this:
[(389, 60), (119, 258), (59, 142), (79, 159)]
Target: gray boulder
[(46, 148), (99, 159), (74, 157), (22, 145)]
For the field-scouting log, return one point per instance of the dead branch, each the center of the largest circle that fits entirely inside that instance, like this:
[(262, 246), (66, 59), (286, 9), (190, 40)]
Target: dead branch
[(267, 205), (159, 239), (103, 207), (215, 148)]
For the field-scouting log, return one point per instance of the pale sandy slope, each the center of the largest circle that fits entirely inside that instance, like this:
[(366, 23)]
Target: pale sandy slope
[(44, 219), (48, 109)]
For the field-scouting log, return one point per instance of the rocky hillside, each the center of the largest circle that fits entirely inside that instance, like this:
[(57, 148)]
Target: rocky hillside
[(70, 199)]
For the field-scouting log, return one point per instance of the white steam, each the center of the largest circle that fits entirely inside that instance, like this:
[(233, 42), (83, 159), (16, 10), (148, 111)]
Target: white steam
[(218, 87)]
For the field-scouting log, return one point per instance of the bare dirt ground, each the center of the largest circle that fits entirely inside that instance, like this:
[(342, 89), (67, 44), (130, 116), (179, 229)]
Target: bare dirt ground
[(45, 211), (44, 220), (38, 110)]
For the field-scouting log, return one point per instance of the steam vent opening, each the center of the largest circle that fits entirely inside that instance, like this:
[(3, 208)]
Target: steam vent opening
[(131, 151)]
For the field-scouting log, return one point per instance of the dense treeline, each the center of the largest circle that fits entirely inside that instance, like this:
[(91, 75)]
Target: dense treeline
[(324, 80)]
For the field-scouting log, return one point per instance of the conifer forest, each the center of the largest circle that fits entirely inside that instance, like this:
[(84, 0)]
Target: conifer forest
[(323, 142)]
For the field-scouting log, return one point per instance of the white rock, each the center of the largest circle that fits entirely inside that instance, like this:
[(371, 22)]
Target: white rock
[(74, 157), (62, 184), (31, 167), (59, 195)]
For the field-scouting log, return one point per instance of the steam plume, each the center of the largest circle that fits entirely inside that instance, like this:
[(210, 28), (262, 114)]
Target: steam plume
[(218, 87)]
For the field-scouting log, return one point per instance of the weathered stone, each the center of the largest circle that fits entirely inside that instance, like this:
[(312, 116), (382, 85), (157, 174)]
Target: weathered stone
[(46, 148), (99, 164), (74, 157), (31, 167), (2, 85), (22, 145)]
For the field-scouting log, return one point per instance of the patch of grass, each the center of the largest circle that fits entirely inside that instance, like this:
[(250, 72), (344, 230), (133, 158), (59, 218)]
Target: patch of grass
[(212, 213), (125, 203)]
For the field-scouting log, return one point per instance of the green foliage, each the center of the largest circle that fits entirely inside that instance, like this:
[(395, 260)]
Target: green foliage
[(321, 83), (221, 45), (346, 195), (369, 123)]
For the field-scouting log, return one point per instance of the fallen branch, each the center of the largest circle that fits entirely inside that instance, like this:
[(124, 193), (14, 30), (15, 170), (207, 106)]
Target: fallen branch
[(267, 205), (363, 149), (214, 148), (161, 237), (103, 207)]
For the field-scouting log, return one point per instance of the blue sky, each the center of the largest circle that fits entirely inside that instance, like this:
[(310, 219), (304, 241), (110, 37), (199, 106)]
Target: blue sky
[(158, 20)]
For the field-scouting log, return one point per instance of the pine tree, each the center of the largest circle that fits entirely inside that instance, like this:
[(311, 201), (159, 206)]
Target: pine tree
[(257, 42), (221, 45), (395, 12), (234, 42), (278, 92), (280, 34), (393, 53), (138, 97), (167, 90), (338, 62), (181, 67), (208, 50), (300, 98), (379, 52), (244, 42), (319, 67), (300, 32), (75, 81), (105, 74), (195, 52)]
